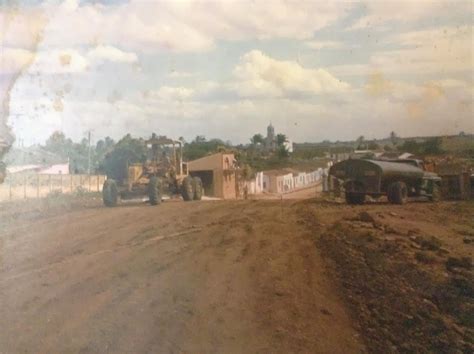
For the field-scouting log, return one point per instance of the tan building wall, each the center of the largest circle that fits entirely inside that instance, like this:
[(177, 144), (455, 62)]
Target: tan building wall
[(223, 174)]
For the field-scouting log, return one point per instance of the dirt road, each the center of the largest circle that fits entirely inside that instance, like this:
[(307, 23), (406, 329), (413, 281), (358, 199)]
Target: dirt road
[(201, 277), (253, 276)]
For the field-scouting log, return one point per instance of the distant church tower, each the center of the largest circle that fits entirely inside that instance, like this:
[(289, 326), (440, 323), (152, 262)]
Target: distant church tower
[(270, 141)]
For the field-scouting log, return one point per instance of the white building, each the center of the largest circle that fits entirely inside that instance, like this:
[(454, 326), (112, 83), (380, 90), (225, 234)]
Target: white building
[(53, 169), (288, 144)]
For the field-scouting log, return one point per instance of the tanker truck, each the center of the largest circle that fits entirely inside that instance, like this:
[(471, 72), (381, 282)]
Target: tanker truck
[(395, 179)]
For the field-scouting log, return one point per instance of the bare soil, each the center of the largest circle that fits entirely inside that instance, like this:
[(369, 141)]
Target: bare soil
[(252, 276), (199, 277), (405, 272)]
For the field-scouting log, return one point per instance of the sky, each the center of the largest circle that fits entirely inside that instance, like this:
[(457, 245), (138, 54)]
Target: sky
[(318, 70)]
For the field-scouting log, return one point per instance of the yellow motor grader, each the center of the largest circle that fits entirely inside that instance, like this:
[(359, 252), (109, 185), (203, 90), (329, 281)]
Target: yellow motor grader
[(164, 172)]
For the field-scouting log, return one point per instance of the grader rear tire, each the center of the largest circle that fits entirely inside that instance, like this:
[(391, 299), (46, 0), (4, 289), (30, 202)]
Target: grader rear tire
[(198, 190), (154, 191), (110, 193), (187, 189)]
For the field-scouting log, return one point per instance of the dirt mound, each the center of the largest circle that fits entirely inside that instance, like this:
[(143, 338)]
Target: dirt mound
[(406, 292)]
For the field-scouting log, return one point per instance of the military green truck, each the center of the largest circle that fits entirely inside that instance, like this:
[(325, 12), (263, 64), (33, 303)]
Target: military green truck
[(395, 179)]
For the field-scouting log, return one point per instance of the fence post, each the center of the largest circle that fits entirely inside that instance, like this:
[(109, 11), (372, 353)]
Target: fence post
[(24, 187)]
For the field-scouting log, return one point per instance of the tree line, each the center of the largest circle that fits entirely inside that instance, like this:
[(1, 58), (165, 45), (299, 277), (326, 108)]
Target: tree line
[(111, 157)]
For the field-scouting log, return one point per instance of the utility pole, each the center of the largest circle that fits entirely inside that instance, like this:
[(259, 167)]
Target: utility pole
[(89, 155)]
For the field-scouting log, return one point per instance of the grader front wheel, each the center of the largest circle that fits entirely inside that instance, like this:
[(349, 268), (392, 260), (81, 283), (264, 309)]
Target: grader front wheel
[(187, 189), (110, 193), (154, 191)]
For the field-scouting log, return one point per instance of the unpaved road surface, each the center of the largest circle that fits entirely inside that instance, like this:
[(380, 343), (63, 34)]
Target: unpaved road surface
[(200, 277), (256, 276)]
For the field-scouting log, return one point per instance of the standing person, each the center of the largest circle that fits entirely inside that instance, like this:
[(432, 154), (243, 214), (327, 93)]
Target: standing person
[(325, 181)]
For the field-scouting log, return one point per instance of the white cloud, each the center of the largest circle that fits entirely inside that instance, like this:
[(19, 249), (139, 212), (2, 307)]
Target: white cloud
[(260, 75), (21, 28), (103, 53), (380, 13), (180, 74), (69, 60), (306, 103), (324, 44), (173, 93), (439, 50), (59, 61), (349, 70), (184, 26), (19, 35), (14, 59)]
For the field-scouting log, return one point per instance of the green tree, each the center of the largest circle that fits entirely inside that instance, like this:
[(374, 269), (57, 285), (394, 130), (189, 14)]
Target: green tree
[(257, 139), (58, 143), (67, 150), (200, 139), (432, 146), (282, 152), (360, 142), (200, 147), (411, 146), (128, 150), (373, 145), (393, 137), (280, 139)]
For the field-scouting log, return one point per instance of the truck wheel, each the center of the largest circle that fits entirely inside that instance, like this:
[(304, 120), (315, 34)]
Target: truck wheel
[(435, 194), (110, 193), (154, 190), (187, 189), (197, 188), (352, 198), (398, 193)]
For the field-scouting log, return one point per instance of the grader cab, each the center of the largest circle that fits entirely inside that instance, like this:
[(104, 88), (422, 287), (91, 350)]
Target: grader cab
[(163, 172)]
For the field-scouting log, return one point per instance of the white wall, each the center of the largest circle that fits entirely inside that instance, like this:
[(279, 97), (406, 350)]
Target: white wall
[(59, 169), (287, 182)]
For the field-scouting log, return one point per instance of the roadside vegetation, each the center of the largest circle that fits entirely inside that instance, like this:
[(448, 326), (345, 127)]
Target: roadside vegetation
[(111, 157)]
